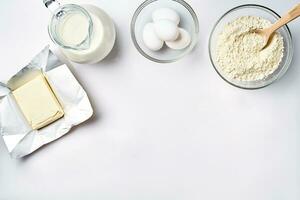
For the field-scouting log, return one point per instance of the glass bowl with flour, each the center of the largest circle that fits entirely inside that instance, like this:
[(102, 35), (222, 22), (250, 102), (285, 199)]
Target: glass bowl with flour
[(236, 51)]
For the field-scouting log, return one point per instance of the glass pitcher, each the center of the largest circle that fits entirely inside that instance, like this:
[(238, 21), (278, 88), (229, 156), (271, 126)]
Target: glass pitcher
[(85, 34)]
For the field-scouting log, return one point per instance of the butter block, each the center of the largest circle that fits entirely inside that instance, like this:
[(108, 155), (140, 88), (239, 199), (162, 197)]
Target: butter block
[(38, 102)]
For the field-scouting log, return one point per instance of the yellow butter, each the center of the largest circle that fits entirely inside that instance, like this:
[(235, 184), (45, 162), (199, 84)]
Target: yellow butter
[(38, 102)]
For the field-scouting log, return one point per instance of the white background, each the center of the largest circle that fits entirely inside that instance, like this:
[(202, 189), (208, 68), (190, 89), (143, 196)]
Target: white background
[(160, 131)]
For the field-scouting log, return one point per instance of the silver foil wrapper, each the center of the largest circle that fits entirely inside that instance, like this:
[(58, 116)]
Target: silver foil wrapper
[(18, 136)]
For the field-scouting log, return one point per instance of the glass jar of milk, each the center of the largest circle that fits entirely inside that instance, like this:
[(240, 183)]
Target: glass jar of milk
[(85, 34)]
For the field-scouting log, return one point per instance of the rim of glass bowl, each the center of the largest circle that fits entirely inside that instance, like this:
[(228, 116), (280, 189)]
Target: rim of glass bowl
[(188, 50), (290, 38)]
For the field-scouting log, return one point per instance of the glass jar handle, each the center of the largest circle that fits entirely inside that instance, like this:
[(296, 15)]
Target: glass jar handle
[(52, 5)]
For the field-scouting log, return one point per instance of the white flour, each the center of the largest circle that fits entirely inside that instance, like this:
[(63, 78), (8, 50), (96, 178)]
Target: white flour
[(239, 52)]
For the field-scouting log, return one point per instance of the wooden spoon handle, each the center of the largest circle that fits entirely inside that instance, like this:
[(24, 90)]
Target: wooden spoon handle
[(295, 12), (291, 15)]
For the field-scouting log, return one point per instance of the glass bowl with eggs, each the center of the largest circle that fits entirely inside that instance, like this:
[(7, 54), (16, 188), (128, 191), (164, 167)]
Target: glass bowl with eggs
[(164, 30), (236, 50)]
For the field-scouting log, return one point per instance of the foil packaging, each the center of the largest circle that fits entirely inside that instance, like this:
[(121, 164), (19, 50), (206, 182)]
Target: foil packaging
[(18, 136)]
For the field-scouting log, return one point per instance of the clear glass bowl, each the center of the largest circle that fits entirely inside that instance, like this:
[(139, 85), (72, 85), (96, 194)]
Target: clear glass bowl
[(260, 11), (142, 16)]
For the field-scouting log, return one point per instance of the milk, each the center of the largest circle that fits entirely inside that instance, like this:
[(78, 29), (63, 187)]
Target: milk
[(74, 29)]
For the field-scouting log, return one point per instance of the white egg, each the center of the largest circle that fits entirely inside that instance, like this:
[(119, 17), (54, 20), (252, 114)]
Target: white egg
[(166, 13), (166, 30), (150, 38), (183, 40)]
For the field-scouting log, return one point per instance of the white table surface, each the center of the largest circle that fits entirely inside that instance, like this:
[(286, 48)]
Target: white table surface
[(173, 131)]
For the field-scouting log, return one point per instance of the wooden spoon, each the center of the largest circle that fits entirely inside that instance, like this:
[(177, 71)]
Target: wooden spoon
[(268, 32)]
